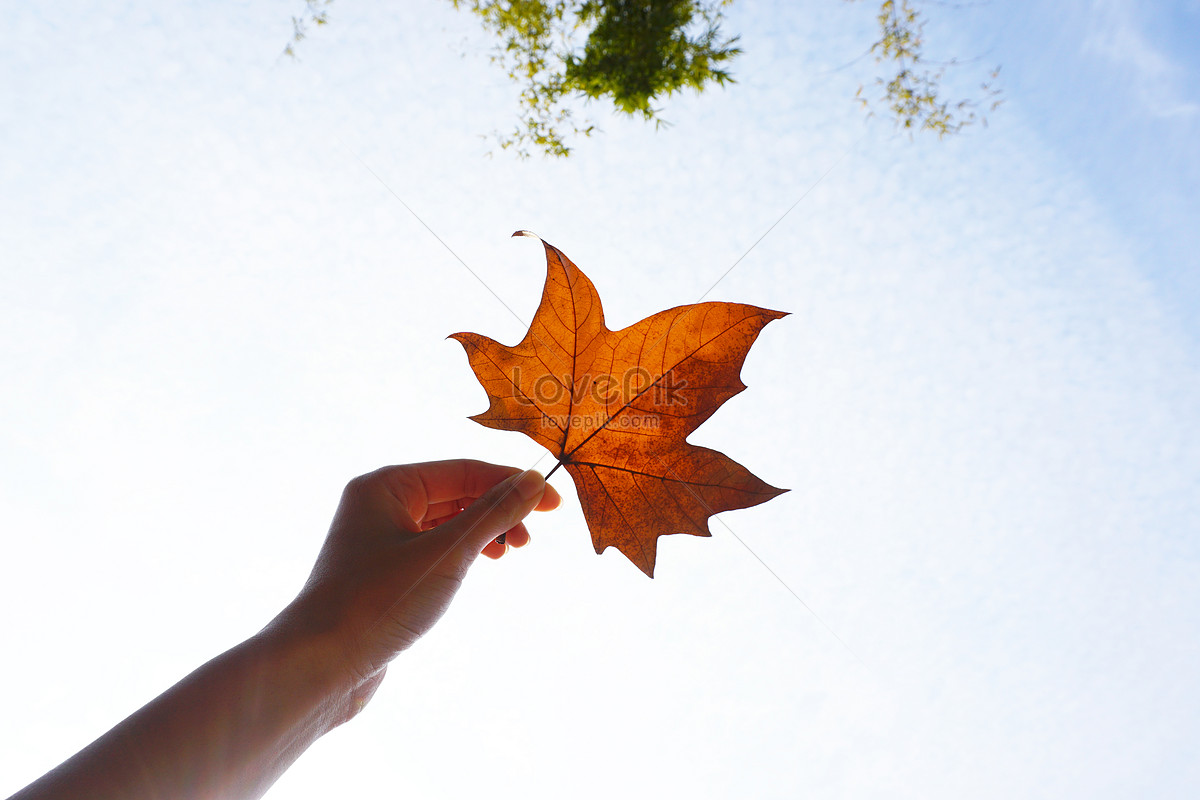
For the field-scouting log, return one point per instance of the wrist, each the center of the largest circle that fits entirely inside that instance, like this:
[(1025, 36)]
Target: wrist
[(310, 659)]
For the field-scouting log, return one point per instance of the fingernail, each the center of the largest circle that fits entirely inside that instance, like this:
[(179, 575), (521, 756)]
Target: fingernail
[(529, 484)]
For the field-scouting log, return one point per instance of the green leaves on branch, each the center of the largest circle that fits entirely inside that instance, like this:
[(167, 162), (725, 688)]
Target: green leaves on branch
[(314, 14), (635, 53), (913, 95), (639, 51)]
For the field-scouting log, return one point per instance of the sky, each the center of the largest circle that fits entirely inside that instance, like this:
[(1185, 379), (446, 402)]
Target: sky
[(226, 283)]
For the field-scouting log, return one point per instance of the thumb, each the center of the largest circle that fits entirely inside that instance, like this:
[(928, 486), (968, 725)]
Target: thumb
[(496, 511)]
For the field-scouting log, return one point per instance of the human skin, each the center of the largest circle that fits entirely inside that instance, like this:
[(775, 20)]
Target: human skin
[(400, 545)]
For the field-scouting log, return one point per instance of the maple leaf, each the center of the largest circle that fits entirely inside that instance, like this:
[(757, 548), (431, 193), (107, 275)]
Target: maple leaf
[(615, 407)]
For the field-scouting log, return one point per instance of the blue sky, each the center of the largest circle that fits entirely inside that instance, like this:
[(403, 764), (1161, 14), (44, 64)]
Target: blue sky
[(1120, 112), (984, 402)]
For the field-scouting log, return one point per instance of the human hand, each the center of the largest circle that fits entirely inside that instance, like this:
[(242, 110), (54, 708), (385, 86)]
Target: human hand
[(400, 543), (399, 546)]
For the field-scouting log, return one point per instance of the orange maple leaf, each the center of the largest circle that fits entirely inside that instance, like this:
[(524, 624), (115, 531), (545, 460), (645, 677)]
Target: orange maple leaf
[(615, 407)]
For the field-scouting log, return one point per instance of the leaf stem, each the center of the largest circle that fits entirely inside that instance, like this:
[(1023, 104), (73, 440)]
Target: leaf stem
[(551, 472)]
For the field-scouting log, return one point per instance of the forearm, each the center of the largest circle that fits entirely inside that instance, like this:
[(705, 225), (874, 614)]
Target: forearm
[(228, 730)]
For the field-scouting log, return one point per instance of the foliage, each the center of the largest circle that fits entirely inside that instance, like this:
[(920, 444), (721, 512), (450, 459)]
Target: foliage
[(635, 53), (315, 14), (913, 93)]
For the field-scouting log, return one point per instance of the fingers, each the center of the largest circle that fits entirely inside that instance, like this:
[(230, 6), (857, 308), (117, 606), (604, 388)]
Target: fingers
[(437, 490), (517, 536), (458, 478), (498, 510), (550, 500), (440, 513)]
